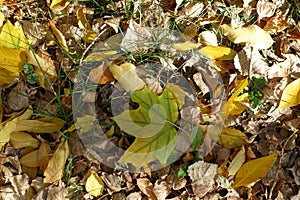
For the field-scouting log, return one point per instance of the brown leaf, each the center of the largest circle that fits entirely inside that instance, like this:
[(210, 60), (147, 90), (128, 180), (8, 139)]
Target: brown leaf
[(276, 24), (146, 187), (45, 153), (101, 74), (30, 159), (265, 9)]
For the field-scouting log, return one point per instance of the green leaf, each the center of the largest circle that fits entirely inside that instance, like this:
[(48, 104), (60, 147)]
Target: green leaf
[(28, 68), (259, 82), (153, 126), (32, 78), (196, 137), (182, 172)]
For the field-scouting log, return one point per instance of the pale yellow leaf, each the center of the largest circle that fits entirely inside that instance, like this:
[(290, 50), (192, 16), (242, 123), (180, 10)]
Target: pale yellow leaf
[(252, 34), (234, 105), (127, 76), (290, 95), (178, 93), (2, 18), (5, 132), (218, 53), (237, 162), (85, 123), (99, 56), (253, 170), (94, 184), (30, 159), (59, 5), (232, 138), (13, 37), (21, 139), (56, 165), (186, 46)]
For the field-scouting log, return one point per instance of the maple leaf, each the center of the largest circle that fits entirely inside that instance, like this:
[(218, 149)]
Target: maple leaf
[(152, 125)]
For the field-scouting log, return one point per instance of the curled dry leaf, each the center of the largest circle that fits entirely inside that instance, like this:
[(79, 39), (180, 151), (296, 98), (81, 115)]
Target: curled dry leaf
[(20, 184), (265, 9), (276, 24), (252, 34), (208, 38), (101, 74), (146, 187), (59, 36)]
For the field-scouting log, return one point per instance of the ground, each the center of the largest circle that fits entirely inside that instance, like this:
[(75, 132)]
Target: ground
[(149, 99)]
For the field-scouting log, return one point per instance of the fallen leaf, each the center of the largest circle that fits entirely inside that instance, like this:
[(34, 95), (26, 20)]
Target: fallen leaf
[(30, 159), (161, 189), (56, 165), (276, 24), (218, 53), (13, 37), (127, 76), (59, 36), (101, 74), (208, 38), (22, 139), (161, 137), (99, 56), (41, 125), (253, 170), (5, 132), (58, 5), (265, 9), (291, 95), (12, 61), (186, 46), (237, 162), (203, 173), (2, 17), (94, 184), (178, 93), (146, 187), (89, 35), (234, 105), (252, 34), (45, 154), (232, 138)]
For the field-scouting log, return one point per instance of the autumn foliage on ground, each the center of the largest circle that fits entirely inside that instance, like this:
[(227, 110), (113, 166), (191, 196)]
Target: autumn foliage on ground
[(200, 99)]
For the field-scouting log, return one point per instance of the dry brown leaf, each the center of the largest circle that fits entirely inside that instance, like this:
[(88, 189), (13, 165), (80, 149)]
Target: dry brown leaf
[(59, 192), (146, 187), (56, 165), (276, 24), (59, 36), (18, 98), (161, 189), (20, 184), (101, 74)]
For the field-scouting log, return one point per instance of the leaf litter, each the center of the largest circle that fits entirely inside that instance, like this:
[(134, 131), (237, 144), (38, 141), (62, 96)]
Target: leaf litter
[(40, 149)]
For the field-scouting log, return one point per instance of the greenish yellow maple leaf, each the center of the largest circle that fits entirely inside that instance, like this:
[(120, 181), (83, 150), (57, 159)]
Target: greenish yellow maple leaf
[(153, 126)]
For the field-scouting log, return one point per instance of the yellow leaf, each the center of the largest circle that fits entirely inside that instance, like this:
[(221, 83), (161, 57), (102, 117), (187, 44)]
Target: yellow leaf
[(218, 53), (59, 36), (59, 5), (13, 37), (86, 122), (94, 184), (89, 36), (155, 115), (178, 93), (5, 132), (56, 165), (12, 60), (252, 34), (1, 107), (186, 46), (99, 56), (127, 76), (232, 138), (45, 154), (253, 170), (82, 21), (41, 125), (6, 77), (234, 105), (2, 17), (30, 159), (290, 95), (21, 139)]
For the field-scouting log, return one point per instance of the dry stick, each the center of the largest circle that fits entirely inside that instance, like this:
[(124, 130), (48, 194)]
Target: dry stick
[(92, 44)]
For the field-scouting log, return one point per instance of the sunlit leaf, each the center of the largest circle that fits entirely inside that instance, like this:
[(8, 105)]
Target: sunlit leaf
[(56, 165), (232, 138), (59, 36), (13, 37), (186, 46), (253, 170), (12, 60), (252, 34), (59, 5), (127, 76), (234, 105), (237, 162), (94, 184), (218, 53), (151, 123), (290, 95)]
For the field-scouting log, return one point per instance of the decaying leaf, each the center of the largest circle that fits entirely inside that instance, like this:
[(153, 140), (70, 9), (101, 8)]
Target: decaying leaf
[(290, 95), (251, 171), (56, 165), (59, 36), (127, 76), (89, 35), (232, 138), (234, 105), (161, 137), (265, 9), (146, 187), (252, 34), (218, 52), (276, 24), (101, 74), (94, 184), (13, 37)]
